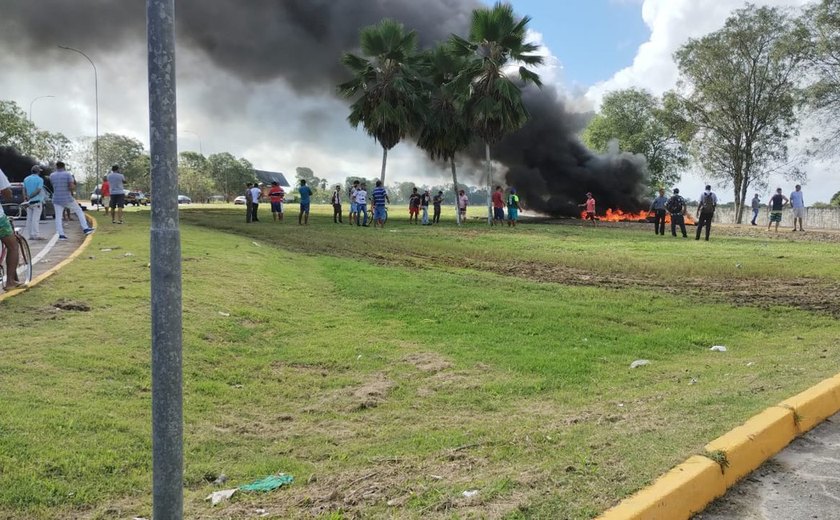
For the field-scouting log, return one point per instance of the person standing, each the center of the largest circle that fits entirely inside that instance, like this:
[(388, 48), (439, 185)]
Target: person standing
[(498, 200), (354, 210), (756, 205), (380, 197), (249, 201), (437, 201), (275, 197), (658, 209), (361, 205), (63, 186), (463, 202), (676, 207), (513, 208), (33, 189), (706, 211), (425, 199), (413, 205), (305, 198), (776, 205), (105, 194), (116, 182), (256, 193), (589, 208), (797, 202), (7, 236), (336, 203)]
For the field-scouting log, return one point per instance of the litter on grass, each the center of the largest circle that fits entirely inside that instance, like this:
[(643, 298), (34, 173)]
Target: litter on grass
[(639, 363), (269, 483), (718, 348), (470, 493), (219, 496)]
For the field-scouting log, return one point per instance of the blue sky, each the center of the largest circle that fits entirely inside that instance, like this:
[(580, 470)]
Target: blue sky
[(592, 38)]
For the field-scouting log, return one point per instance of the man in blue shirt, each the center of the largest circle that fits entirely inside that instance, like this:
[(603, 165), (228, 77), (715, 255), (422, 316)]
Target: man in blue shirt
[(380, 197), (658, 209), (33, 191), (305, 197), (63, 186)]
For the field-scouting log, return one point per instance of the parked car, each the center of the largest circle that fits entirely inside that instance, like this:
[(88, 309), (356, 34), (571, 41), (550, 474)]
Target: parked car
[(137, 198), (10, 207), (183, 199), (239, 200)]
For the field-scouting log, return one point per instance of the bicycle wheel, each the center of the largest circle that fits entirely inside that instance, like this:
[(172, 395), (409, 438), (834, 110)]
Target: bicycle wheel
[(24, 269)]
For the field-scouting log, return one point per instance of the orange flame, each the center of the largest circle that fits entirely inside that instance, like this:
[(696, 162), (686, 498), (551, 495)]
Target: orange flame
[(617, 215)]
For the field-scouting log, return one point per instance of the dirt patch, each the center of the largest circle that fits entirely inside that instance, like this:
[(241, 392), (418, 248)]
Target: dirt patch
[(71, 305), (427, 362), (373, 393)]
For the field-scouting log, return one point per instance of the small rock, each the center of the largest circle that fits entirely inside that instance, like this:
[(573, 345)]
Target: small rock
[(221, 479), (470, 493), (639, 363), (718, 348)]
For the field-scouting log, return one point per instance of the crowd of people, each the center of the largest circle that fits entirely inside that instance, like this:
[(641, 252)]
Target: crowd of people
[(360, 200)]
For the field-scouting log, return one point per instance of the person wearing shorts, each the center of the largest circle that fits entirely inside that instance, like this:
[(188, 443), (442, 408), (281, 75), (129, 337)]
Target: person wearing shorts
[(379, 197), (305, 198), (589, 206), (513, 208), (275, 196), (797, 202), (413, 205), (105, 195), (354, 208), (7, 236), (498, 207), (776, 205), (116, 182)]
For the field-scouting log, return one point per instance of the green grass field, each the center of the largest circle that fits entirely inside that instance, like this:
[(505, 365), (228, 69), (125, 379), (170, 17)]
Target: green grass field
[(391, 370)]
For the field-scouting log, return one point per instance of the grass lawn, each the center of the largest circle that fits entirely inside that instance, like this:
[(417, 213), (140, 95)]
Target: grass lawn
[(391, 370)]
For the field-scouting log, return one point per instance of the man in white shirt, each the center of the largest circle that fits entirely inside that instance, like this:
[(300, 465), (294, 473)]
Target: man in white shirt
[(7, 236), (256, 193), (797, 202), (361, 205)]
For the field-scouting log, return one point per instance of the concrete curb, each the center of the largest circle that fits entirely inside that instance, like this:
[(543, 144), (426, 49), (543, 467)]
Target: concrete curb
[(43, 276), (690, 487)]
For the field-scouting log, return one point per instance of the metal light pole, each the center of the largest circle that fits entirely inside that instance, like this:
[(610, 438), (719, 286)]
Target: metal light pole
[(30, 119), (97, 173), (167, 375)]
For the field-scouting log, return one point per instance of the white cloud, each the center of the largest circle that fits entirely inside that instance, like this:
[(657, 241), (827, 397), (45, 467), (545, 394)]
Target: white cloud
[(672, 23)]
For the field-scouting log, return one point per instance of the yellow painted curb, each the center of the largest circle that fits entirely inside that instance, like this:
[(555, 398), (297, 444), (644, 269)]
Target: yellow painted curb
[(43, 276), (691, 486), (679, 493), (747, 446), (816, 404)]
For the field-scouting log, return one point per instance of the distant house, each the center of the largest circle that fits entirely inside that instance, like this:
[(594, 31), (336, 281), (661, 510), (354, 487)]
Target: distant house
[(268, 177)]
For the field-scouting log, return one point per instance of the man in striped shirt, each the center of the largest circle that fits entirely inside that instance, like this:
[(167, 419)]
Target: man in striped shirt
[(380, 197)]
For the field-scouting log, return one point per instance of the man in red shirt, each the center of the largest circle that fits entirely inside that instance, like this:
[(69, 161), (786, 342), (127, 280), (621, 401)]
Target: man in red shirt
[(276, 195), (105, 193), (590, 207), (498, 207)]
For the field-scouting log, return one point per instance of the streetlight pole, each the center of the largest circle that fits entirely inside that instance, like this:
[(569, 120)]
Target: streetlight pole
[(97, 173), (167, 351), (32, 128)]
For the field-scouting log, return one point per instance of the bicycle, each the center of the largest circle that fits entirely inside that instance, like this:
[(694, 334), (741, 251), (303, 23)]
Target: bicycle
[(370, 213), (24, 268)]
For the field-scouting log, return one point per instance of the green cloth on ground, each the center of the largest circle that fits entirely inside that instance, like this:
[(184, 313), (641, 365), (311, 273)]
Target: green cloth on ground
[(268, 483)]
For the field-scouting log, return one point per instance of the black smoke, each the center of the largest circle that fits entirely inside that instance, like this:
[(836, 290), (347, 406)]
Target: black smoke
[(301, 42), (15, 165)]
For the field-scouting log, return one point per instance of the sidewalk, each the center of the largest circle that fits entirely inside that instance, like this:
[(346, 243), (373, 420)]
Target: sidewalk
[(801, 482), (49, 252)]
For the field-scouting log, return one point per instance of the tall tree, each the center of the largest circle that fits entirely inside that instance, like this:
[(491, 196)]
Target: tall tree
[(384, 84), (641, 125), (494, 105), (114, 149), (819, 35), (444, 130), (15, 128), (229, 173), (739, 91)]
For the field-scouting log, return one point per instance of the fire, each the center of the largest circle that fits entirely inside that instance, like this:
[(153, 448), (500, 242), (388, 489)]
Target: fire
[(617, 215)]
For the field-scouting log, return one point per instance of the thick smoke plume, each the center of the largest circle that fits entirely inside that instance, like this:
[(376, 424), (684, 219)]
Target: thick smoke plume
[(301, 42), (15, 165)]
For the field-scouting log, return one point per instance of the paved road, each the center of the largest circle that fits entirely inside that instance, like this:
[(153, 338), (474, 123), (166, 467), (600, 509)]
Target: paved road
[(800, 483), (50, 251)]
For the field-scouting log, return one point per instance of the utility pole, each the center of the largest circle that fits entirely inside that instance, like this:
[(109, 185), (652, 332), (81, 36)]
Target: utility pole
[(167, 374), (97, 173)]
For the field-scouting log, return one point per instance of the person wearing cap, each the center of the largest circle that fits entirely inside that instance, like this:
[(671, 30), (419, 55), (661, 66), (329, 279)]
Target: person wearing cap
[(589, 206), (658, 209), (513, 207), (776, 205), (276, 196), (676, 207), (336, 204), (33, 192)]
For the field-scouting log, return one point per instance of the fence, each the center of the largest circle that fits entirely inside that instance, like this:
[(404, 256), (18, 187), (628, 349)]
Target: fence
[(820, 218)]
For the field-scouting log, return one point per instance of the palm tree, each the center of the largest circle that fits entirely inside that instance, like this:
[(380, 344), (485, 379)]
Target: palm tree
[(444, 130), (496, 44), (385, 84)]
